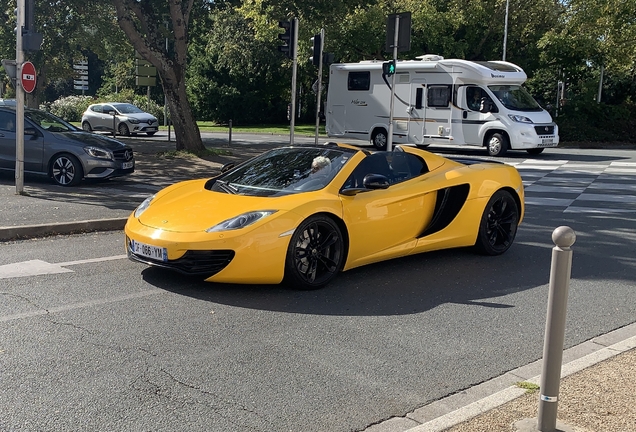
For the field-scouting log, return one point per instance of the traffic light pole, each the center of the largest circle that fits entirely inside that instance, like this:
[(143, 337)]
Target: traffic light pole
[(292, 120), (19, 99), (322, 45), (389, 143)]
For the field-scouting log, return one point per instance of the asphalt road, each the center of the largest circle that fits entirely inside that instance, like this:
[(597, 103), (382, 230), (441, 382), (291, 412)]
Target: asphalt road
[(92, 341), (97, 342)]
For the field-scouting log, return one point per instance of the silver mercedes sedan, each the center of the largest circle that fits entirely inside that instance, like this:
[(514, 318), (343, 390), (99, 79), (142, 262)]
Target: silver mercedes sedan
[(59, 150)]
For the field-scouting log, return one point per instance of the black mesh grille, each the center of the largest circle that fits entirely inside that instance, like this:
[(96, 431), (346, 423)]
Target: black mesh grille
[(544, 130)]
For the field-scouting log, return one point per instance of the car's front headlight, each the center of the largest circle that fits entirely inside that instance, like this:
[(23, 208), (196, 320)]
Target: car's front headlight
[(143, 206), (519, 118), (98, 152), (132, 120), (241, 221)]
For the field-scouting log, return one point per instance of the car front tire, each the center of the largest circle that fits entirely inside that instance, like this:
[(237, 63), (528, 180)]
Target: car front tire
[(498, 226), (87, 127), (497, 144), (66, 170), (315, 254), (123, 129)]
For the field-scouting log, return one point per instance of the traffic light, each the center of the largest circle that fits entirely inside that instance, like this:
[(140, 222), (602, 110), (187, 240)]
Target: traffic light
[(388, 68), (315, 58), (31, 40), (287, 37)]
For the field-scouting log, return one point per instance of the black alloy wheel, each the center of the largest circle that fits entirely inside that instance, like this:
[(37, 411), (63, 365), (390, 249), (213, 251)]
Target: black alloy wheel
[(66, 170), (315, 254), (498, 226)]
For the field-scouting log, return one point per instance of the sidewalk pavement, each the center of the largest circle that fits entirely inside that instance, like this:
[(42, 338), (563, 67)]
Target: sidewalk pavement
[(598, 376)]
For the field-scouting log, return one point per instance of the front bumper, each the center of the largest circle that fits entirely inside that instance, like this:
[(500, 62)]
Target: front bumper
[(254, 256), (535, 136)]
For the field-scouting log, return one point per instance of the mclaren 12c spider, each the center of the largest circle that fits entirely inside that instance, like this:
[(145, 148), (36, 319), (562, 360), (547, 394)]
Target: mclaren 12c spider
[(301, 214)]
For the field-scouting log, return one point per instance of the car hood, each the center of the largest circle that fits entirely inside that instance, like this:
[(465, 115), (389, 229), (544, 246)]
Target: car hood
[(140, 116), (189, 207), (85, 138)]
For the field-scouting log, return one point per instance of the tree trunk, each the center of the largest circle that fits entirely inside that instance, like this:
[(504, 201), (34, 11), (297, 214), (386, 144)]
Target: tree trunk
[(143, 25), (188, 136)]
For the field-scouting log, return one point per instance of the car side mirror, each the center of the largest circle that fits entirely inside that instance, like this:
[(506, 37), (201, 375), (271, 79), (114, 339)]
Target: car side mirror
[(375, 181), (111, 113), (228, 166), (30, 131)]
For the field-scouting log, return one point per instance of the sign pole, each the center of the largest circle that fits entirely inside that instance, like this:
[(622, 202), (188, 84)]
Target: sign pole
[(294, 46), (19, 98), (319, 89), (389, 142)]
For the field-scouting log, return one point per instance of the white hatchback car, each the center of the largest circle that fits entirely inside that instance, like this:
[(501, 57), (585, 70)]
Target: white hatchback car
[(125, 118)]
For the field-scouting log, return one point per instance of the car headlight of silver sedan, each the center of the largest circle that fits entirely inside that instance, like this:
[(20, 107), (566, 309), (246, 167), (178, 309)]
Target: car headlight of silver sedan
[(241, 221), (132, 120), (99, 153), (143, 206)]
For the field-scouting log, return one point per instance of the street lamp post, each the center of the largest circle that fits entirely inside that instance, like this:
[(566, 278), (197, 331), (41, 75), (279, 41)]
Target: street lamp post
[(505, 31)]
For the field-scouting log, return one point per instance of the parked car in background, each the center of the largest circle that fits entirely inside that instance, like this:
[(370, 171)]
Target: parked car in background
[(125, 118), (59, 150)]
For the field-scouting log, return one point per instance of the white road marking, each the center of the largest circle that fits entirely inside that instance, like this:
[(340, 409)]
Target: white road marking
[(30, 268), (39, 267)]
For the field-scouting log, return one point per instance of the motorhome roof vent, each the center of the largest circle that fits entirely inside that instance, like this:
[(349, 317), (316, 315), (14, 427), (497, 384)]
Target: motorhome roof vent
[(430, 57)]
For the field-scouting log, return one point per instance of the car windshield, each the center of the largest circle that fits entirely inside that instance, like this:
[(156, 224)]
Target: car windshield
[(515, 97), (127, 109), (48, 121), (284, 171)]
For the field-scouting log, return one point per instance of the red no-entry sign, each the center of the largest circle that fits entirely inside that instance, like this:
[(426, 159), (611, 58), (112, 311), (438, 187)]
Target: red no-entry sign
[(27, 78)]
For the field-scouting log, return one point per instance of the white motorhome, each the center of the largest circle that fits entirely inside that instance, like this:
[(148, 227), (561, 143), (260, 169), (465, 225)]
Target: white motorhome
[(438, 101)]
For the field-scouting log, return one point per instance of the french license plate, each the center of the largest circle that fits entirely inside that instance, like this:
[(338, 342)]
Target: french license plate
[(150, 129), (547, 141), (149, 251), (127, 165)]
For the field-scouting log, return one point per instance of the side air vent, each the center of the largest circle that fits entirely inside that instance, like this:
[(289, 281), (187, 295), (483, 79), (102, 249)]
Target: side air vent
[(449, 202)]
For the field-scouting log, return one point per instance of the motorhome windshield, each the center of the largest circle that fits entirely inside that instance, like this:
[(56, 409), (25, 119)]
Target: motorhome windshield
[(515, 97)]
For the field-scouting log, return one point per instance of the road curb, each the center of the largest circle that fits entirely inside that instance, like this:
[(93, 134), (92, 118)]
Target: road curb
[(43, 230)]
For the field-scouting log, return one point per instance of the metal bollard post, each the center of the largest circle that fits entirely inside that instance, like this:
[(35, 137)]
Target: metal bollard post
[(563, 237), (229, 142)]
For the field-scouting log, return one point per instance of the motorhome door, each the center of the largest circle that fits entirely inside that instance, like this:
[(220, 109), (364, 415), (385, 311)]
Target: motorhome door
[(417, 112), (477, 109)]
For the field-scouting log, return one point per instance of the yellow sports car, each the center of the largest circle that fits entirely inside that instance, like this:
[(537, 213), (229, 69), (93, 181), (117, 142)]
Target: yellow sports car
[(301, 214)]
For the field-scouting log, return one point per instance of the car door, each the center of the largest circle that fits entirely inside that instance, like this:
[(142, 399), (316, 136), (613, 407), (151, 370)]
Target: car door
[(33, 149), (383, 223), (7, 139)]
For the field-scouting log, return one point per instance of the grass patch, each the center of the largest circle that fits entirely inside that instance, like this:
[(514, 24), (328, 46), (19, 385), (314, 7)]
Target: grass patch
[(186, 154), (303, 129), (530, 387)]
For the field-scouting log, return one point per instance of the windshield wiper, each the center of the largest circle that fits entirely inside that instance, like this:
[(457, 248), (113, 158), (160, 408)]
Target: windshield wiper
[(227, 187)]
